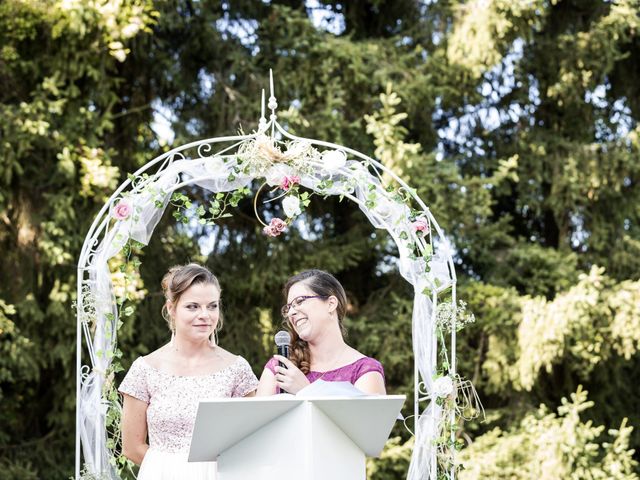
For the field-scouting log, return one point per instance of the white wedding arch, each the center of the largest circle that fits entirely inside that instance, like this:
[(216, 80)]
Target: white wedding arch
[(227, 164)]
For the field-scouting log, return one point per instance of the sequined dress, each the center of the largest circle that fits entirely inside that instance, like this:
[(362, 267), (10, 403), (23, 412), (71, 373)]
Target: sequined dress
[(172, 405)]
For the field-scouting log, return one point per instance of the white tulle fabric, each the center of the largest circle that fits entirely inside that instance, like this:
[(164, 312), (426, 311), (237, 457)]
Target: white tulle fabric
[(352, 180)]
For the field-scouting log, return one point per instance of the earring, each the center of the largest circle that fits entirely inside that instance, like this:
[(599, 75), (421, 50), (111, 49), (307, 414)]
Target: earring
[(173, 337)]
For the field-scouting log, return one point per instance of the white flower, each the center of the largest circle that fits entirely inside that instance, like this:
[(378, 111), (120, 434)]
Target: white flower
[(215, 166), (334, 160), (443, 387), (291, 206), (383, 209)]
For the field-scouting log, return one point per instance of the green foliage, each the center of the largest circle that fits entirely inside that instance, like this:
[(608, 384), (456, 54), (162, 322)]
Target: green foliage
[(12, 470), (393, 462), (18, 368), (516, 121), (535, 270), (58, 102), (547, 445), (582, 327)]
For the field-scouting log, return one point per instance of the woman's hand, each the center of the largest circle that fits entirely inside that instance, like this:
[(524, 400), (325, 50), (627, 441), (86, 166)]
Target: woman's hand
[(290, 379)]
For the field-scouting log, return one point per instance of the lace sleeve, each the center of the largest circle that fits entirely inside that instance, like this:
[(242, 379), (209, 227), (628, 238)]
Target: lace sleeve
[(246, 381), (135, 382), (367, 365)]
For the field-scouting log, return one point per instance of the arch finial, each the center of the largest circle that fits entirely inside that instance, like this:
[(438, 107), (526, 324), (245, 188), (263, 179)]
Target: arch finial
[(273, 104), (262, 124)]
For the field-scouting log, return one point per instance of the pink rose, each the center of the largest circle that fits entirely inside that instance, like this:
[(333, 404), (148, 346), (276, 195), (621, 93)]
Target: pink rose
[(121, 211), (268, 231), (276, 227), (421, 225), (289, 181)]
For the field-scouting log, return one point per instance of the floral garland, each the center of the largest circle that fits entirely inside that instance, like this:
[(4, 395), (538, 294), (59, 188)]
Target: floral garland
[(125, 276), (456, 395), (286, 170)]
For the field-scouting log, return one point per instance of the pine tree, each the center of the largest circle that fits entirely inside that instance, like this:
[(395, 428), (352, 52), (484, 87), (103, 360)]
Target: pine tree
[(516, 121)]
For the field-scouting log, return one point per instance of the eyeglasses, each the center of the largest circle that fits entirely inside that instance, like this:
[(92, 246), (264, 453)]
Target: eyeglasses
[(296, 302)]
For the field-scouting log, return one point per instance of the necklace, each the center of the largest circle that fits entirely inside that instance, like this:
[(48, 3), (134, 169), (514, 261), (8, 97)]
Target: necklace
[(335, 365)]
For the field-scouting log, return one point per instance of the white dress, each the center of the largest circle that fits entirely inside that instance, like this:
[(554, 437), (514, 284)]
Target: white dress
[(173, 403)]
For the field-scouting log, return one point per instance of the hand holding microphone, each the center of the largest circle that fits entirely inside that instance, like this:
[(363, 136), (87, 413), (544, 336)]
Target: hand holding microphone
[(283, 340), (289, 378)]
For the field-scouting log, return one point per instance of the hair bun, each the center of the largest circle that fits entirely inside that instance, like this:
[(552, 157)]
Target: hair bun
[(168, 277)]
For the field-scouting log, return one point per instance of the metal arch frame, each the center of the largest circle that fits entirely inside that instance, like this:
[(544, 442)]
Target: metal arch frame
[(100, 228)]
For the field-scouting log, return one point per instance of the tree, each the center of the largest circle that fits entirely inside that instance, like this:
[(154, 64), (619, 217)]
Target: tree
[(516, 121), (58, 72)]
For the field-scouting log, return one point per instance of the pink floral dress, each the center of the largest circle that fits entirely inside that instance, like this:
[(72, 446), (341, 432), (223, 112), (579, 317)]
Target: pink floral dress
[(172, 405)]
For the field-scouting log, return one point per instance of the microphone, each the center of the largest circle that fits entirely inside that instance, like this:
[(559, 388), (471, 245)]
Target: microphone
[(283, 340)]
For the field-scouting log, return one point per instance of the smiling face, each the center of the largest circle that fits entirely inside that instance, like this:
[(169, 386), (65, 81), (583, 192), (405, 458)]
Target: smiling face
[(309, 317), (197, 312)]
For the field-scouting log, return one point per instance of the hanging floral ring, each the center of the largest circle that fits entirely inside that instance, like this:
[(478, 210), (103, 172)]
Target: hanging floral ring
[(276, 226), (293, 204)]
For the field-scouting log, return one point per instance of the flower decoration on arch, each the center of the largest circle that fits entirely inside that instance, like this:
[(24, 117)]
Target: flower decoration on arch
[(122, 210), (296, 172)]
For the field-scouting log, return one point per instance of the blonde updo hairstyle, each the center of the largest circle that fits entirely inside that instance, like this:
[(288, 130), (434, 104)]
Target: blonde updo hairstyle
[(320, 283), (178, 280)]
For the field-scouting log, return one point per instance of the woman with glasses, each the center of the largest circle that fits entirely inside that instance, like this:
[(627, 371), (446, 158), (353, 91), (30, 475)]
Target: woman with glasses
[(314, 312)]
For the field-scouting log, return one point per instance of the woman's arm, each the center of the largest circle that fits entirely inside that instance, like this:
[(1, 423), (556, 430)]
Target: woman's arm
[(134, 429), (267, 385), (371, 382)]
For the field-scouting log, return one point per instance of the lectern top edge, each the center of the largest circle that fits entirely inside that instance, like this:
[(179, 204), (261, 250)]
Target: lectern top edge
[(299, 399)]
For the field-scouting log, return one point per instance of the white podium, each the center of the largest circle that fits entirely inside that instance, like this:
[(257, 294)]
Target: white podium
[(293, 438)]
